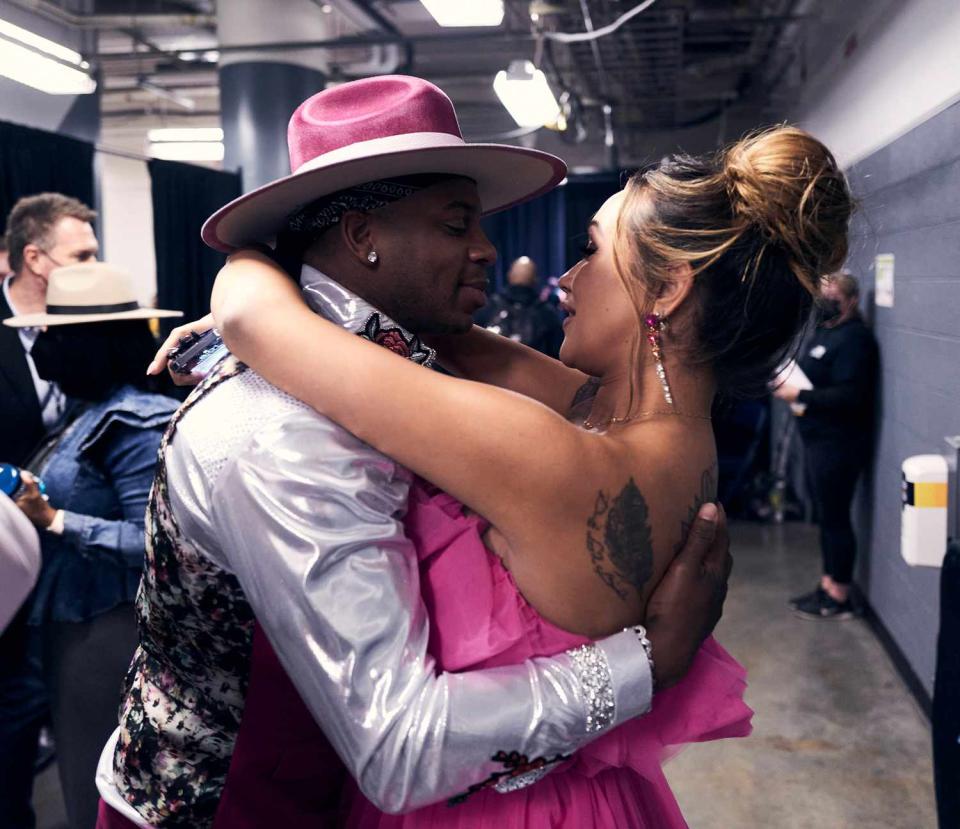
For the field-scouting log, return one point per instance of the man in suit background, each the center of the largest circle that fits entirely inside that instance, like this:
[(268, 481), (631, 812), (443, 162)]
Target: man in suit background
[(44, 232)]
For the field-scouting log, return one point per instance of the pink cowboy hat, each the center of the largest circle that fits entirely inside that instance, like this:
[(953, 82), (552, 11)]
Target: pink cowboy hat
[(375, 128)]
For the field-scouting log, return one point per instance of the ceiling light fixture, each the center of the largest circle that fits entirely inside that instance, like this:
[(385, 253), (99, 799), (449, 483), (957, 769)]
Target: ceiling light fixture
[(187, 150), (465, 12), (163, 134), (42, 64), (526, 95)]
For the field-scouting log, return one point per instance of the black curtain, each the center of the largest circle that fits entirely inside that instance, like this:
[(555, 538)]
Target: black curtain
[(34, 161), (532, 229), (584, 196), (184, 195), (551, 229)]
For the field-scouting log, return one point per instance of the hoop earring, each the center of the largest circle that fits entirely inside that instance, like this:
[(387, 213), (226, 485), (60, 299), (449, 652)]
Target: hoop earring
[(372, 257), (654, 324)]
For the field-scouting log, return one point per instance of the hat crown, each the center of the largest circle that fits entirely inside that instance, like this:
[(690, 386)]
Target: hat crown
[(368, 109), (89, 284)]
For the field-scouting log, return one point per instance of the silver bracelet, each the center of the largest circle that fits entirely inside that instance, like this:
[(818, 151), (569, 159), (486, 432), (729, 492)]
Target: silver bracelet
[(641, 633)]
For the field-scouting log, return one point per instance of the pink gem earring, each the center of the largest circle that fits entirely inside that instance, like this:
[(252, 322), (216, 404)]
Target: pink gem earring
[(654, 325)]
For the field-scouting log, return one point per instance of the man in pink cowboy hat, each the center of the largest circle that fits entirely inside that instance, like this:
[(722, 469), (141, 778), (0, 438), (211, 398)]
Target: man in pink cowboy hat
[(279, 587)]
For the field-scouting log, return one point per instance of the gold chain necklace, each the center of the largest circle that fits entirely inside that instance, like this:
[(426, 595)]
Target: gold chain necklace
[(588, 424)]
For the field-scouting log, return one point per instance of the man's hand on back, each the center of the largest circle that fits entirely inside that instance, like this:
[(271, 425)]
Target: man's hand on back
[(688, 602)]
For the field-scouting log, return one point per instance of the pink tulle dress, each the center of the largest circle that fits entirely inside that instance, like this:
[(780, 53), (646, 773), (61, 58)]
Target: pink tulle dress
[(479, 619)]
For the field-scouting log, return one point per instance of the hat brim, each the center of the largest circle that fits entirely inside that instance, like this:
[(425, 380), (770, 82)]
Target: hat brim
[(46, 320), (505, 176)]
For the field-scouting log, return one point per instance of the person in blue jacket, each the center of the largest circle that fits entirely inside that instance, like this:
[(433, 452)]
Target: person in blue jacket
[(94, 342)]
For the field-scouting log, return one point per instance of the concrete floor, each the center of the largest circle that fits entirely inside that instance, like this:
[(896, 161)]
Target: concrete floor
[(838, 741)]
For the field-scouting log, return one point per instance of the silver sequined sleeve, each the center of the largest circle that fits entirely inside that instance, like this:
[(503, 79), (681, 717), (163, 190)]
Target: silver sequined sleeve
[(307, 517)]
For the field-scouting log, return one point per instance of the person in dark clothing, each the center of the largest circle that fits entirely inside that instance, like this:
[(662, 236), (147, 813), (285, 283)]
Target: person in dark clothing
[(520, 314), (841, 362)]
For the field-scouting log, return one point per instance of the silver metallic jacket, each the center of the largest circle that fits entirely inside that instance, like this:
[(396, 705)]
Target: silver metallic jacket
[(306, 517)]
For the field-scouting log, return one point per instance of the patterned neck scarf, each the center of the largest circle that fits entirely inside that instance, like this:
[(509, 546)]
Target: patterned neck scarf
[(320, 215)]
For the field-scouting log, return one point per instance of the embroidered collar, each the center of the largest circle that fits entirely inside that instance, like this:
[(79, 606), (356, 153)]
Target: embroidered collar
[(337, 304)]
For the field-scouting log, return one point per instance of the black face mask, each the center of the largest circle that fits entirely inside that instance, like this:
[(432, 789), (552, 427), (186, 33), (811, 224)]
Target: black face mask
[(830, 310), (76, 360)]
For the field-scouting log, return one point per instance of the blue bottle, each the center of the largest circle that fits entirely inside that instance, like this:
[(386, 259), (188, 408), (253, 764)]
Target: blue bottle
[(11, 481)]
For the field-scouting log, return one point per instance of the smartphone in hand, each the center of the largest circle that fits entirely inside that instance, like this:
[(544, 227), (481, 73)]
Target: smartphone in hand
[(196, 354)]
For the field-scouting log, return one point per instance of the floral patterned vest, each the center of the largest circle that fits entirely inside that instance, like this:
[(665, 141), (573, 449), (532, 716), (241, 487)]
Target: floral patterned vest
[(185, 688)]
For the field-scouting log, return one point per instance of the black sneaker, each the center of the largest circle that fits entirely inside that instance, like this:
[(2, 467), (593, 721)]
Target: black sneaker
[(824, 606), (806, 598)]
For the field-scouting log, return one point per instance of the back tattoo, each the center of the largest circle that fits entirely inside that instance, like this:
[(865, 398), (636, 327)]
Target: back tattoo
[(620, 539), (708, 491)]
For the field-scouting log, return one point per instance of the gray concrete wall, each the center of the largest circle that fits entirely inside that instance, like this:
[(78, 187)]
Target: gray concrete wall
[(910, 207)]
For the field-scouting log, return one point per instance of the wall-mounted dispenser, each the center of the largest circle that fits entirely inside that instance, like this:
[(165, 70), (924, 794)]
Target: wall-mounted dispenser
[(923, 526)]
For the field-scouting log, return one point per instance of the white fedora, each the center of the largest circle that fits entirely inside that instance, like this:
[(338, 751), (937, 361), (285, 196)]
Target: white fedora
[(379, 128), (91, 292)]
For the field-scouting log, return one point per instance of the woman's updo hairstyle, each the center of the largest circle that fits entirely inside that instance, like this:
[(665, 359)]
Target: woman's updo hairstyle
[(759, 224)]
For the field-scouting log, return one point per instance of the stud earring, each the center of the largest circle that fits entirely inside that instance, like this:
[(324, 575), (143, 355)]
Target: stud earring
[(372, 257), (654, 325)]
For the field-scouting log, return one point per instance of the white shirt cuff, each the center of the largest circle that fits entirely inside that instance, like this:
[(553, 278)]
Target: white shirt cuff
[(56, 526)]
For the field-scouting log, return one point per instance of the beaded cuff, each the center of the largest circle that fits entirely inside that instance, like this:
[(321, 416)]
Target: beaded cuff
[(593, 673), (641, 633), (512, 784)]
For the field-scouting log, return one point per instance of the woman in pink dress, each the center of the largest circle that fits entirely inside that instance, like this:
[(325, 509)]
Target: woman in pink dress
[(588, 471)]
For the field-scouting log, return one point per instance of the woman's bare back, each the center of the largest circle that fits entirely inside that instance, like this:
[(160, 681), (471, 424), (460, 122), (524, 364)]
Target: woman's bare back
[(590, 564)]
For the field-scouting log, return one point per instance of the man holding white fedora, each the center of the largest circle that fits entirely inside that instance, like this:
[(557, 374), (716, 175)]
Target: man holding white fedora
[(274, 536)]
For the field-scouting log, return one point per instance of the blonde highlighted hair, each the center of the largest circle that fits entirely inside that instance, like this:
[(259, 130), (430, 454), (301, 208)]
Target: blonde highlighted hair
[(758, 224)]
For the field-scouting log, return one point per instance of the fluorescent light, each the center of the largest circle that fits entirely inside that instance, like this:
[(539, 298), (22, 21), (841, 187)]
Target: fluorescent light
[(23, 58), (465, 12), (525, 93), (187, 150), (185, 134), (42, 44), (34, 70)]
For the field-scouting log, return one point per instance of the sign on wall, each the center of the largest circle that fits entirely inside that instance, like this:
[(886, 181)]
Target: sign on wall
[(883, 273)]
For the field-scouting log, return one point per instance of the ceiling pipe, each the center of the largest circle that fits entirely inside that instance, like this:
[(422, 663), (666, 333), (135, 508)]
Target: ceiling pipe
[(349, 42), (386, 58), (52, 11), (132, 112), (201, 88)]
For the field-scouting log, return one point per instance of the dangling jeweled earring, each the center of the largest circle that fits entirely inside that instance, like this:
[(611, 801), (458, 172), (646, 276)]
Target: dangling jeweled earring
[(654, 325)]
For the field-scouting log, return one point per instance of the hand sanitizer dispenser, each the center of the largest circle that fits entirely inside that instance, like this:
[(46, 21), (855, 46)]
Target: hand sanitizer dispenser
[(923, 528)]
